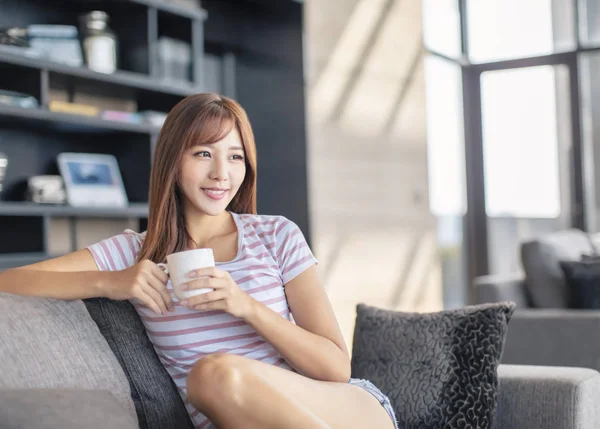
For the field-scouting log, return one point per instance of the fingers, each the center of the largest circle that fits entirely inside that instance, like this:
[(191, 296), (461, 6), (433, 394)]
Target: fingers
[(158, 281), (198, 284), (220, 304), (207, 272), (163, 294), (159, 274), (204, 283), (149, 300), (206, 297)]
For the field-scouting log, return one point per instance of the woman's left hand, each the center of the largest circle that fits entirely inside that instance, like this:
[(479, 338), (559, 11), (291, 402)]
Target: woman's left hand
[(227, 295)]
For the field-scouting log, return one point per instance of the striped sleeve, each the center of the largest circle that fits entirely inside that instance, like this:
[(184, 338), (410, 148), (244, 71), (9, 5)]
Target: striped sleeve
[(117, 252), (293, 254)]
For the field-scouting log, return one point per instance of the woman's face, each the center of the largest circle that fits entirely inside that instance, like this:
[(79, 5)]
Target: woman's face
[(211, 174)]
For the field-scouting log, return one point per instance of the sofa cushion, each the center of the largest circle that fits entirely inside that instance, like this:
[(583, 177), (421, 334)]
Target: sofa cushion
[(49, 343), (438, 369), (62, 408), (541, 259), (156, 398)]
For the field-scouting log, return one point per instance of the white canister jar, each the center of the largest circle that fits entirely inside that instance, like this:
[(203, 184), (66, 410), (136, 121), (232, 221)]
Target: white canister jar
[(99, 42)]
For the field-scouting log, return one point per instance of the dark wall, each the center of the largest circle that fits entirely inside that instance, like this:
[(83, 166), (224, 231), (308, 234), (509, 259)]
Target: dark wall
[(266, 37)]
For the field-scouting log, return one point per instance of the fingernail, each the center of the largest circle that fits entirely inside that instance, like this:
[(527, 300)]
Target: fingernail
[(184, 286), (185, 302), (192, 274)]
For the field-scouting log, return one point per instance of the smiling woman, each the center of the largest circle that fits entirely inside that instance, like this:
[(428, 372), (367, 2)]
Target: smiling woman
[(263, 349), (198, 135)]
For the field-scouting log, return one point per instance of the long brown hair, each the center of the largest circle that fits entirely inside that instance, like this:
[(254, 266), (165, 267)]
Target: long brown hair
[(196, 120)]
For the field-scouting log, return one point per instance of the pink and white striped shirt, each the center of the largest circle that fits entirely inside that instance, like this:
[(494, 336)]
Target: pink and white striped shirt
[(271, 251)]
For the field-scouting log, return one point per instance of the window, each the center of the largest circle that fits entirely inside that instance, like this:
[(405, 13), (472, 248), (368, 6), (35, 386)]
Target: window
[(507, 29)]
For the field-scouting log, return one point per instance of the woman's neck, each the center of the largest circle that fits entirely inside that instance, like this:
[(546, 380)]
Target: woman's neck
[(203, 228)]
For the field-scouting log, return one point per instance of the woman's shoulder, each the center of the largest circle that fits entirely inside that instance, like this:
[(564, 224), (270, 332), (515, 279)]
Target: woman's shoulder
[(274, 231), (261, 220), (268, 227), (137, 235), (119, 251), (133, 237), (283, 239)]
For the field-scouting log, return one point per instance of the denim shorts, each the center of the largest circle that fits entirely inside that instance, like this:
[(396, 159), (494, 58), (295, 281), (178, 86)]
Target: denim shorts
[(378, 394)]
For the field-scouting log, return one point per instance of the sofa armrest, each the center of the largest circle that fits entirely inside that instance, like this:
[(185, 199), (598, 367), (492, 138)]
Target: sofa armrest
[(542, 397), (558, 337), (65, 408), (498, 288)]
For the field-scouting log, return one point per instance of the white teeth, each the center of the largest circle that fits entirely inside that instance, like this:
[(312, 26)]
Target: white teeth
[(212, 192)]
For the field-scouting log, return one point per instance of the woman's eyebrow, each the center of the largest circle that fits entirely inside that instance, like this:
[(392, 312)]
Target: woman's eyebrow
[(236, 148)]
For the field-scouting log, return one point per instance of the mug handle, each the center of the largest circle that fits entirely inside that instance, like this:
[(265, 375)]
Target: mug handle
[(163, 267)]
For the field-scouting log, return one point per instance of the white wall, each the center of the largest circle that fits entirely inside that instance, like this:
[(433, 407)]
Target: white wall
[(371, 226)]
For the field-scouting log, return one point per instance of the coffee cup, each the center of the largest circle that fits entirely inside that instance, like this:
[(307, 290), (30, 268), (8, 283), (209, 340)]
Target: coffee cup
[(178, 266)]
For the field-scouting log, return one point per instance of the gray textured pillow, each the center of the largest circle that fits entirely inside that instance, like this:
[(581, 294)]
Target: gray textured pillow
[(49, 343), (438, 369), (62, 409), (156, 398)]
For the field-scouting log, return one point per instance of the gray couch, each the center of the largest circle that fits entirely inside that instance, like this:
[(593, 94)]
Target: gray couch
[(58, 371), (543, 330)]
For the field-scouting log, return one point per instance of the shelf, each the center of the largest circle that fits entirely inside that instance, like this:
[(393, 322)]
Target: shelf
[(12, 260), (8, 208), (187, 12), (70, 122), (174, 9), (122, 78)]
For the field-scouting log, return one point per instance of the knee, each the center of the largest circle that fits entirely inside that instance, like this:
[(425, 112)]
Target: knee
[(215, 381)]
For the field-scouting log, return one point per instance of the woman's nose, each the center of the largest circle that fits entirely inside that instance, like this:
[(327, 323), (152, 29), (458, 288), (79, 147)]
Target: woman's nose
[(219, 171)]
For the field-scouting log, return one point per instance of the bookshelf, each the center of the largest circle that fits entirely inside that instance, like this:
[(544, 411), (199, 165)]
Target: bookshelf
[(119, 78), (43, 118), (250, 50)]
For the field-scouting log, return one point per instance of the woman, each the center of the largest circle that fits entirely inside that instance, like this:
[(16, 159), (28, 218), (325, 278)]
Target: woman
[(263, 349)]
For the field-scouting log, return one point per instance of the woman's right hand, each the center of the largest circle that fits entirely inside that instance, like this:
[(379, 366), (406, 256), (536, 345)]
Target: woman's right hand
[(144, 281)]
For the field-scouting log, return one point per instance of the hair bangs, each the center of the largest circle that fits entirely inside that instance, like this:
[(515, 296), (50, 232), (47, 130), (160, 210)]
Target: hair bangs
[(210, 125)]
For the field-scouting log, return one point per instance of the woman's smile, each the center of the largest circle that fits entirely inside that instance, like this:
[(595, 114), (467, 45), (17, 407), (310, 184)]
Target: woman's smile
[(215, 193)]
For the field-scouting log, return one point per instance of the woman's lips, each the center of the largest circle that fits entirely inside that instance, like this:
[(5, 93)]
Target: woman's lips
[(215, 193)]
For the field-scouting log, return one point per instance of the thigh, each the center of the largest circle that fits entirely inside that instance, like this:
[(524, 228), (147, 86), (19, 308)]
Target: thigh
[(341, 405)]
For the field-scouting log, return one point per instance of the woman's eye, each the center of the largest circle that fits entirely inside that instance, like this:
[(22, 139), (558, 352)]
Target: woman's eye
[(203, 154), (238, 157)]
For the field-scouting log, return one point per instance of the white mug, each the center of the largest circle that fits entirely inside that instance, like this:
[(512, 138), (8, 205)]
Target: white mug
[(181, 263)]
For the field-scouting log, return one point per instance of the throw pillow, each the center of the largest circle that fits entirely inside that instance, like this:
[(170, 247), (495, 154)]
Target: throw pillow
[(541, 258), (156, 398), (62, 408), (583, 281), (49, 343), (438, 369)]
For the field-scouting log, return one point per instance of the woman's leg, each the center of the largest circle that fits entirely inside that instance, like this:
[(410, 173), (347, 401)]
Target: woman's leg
[(236, 392)]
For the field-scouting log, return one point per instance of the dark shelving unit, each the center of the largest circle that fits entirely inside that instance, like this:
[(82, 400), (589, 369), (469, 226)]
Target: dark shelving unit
[(250, 50)]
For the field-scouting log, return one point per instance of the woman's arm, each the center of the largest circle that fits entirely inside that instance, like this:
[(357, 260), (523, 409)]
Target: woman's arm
[(314, 346), (72, 276), (76, 276)]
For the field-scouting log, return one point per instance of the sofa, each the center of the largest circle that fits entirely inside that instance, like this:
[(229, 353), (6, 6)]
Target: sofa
[(543, 329), (60, 369)]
